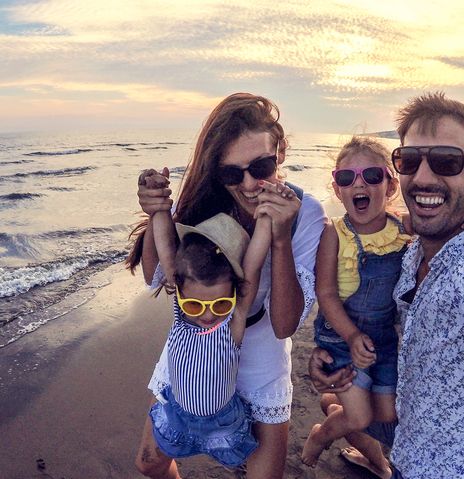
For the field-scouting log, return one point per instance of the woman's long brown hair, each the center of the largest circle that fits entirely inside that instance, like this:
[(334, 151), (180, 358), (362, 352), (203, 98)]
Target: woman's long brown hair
[(201, 195)]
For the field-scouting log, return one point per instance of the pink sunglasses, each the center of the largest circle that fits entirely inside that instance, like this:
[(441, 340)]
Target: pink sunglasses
[(372, 175)]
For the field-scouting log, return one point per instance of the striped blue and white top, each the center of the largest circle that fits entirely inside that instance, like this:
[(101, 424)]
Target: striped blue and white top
[(202, 367)]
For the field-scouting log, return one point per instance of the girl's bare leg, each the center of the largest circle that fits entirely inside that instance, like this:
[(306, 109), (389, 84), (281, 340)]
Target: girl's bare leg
[(355, 415), (384, 407), (268, 461), (150, 461), (366, 451)]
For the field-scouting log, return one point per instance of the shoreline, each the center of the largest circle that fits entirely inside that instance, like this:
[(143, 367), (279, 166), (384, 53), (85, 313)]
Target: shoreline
[(74, 394)]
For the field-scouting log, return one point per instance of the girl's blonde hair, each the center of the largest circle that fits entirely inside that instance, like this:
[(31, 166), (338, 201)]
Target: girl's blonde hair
[(374, 147), (369, 146)]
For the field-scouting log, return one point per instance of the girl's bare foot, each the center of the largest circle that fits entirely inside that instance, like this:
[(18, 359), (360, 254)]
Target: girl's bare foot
[(313, 448), (353, 456)]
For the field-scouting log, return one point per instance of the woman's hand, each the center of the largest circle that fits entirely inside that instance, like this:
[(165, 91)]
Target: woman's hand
[(362, 350), (154, 192), (338, 381), (282, 205)]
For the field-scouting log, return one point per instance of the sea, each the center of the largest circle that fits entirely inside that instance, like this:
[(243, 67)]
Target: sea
[(68, 202)]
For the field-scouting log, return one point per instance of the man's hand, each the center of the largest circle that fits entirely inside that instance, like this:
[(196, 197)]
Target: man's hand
[(154, 192), (338, 381)]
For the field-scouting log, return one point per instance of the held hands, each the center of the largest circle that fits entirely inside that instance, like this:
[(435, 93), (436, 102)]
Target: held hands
[(338, 381), (282, 205), (154, 192), (362, 350)]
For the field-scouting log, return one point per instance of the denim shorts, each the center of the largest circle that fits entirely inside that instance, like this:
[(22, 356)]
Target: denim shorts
[(383, 432), (380, 378), (225, 436)]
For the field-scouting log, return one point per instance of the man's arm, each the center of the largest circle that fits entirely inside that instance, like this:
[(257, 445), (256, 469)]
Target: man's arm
[(154, 196), (163, 231)]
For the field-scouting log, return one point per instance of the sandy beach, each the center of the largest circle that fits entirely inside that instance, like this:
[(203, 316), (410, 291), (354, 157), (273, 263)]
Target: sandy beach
[(73, 394)]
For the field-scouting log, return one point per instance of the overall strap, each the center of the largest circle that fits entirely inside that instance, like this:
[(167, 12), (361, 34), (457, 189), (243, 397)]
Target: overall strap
[(299, 193), (348, 224), (397, 222)]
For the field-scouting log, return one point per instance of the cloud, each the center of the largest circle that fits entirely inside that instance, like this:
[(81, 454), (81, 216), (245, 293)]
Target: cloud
[(457, 62), (342, 54)]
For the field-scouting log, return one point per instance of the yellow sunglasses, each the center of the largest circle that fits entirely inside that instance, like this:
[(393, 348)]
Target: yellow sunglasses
[(196, 307)]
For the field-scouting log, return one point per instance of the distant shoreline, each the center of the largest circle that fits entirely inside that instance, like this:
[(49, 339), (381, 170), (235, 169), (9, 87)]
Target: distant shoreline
[(391, 134)]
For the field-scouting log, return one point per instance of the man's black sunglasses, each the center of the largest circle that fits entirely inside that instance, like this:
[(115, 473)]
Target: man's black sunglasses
[(443, 160), (260, 169)]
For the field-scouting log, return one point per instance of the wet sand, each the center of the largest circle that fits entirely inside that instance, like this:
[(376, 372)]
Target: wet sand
[(73, 396)]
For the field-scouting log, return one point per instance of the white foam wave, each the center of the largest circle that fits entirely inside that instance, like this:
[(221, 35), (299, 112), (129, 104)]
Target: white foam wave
[(20, 280)]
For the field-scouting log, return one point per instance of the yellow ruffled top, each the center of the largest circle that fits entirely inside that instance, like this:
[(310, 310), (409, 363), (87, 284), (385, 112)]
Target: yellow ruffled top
[(385, 241)]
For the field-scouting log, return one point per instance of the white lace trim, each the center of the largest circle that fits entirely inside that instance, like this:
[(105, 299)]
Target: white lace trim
[(307, 282), (269, 408), (271, 414)]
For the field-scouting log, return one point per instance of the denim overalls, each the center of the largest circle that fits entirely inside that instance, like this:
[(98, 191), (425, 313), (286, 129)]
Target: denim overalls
[(373, 310)]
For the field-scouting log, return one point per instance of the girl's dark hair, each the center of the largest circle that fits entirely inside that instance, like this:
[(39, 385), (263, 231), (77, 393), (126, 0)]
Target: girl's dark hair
[(199, 259), (201, 195)]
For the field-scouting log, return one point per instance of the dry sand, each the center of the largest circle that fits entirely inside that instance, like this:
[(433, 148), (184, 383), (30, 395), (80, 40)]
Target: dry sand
[(73, 396)]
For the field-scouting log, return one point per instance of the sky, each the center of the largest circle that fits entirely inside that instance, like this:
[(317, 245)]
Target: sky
[(330, 66)]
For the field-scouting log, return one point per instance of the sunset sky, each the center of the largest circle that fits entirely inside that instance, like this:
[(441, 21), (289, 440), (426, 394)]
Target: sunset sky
[(331, 66)]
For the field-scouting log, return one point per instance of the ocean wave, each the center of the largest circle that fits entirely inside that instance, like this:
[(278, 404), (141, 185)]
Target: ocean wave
[(61, 188), (327, 147), (316, 148), (74, 151), (16, 162), (128, 144), (297, 167), (20, 245), (19, 196), (77, 232), (122, 145), (15, 281), (31, 246), (62, 172), (177, 171)]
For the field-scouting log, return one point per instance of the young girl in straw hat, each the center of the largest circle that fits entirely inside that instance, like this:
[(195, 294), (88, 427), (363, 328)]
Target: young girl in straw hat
[(215, 275)]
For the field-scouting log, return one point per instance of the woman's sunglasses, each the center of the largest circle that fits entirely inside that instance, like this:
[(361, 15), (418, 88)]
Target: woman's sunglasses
[(260, 169), (196, 307), (443, 160), (372, 175)]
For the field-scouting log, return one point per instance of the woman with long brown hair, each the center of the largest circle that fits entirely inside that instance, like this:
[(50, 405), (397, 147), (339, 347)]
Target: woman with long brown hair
[(235, 167)]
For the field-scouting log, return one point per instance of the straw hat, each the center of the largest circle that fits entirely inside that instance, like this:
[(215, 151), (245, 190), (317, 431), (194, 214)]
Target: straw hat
[(226, 233)]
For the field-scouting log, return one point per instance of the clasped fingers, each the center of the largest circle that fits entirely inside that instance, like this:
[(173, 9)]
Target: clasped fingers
[(153, 192), (277, 192), (154, 179)]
